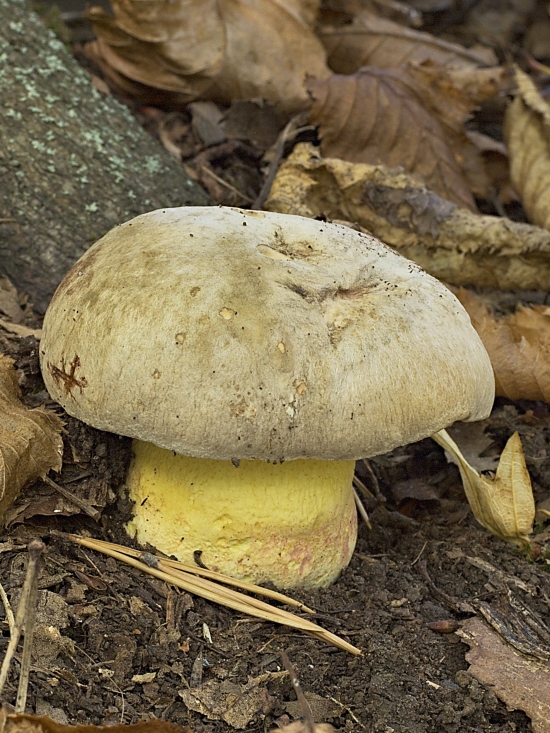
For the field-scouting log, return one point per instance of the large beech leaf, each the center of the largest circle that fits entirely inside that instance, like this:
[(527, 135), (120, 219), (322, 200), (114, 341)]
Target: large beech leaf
[(527, 133), (222, 50), (373, 41), (30, 440), (394, 118)]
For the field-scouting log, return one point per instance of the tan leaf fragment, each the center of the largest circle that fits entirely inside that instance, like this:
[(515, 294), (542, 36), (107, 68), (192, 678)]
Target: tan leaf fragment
[(378, 116), (504, 503), (451, 243), (518, 346), (298, 726), (373, 41), (520, 682), (236, 704), (22, 723), (30, 440), (221, 50), (527, 134)]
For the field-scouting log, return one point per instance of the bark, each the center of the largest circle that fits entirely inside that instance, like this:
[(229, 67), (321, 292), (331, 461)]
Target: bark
[(73, 163)]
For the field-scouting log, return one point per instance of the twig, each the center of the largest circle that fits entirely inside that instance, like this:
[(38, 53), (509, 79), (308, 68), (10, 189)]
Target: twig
[(36, 548), (417, 558), (361, 509), (222, 182), (306, 710), (80, 503), (380, 498), (286, 134), (7, 608), (24, 617)]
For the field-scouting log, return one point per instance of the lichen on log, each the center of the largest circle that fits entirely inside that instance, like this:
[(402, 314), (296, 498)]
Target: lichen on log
[(73, 163)]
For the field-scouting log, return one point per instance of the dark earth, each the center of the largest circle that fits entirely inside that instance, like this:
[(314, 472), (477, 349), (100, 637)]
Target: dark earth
[(423, 556), (114, 645)]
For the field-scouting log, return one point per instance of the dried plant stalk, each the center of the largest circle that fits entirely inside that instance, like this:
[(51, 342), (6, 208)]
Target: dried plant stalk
[(189, 580)]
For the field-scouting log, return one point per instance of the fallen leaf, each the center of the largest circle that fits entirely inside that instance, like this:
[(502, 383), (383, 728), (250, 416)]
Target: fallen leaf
[(503, 503), (208, 49), (30, 440), (321, 707), (451, 243), (373, 41), (527, 134), (9, 301), (473, 442), (236, 704), (299, 726), (518, 346), (21, 723), (378, 116), (520, 682)]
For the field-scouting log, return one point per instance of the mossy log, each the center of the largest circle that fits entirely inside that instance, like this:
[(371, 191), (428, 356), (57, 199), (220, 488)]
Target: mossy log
[(73, 163)]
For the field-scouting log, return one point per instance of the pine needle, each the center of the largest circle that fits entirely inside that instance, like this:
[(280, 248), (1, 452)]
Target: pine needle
[(199, 582)]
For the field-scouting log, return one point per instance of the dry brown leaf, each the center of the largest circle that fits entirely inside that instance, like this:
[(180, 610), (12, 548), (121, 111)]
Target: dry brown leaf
[(221, 50), (520, 682), (373, 41), (377, 116), (452, 244), (30, 440), (527, 134), (503, 504), (237, 705), (518, 346), (21, 723)]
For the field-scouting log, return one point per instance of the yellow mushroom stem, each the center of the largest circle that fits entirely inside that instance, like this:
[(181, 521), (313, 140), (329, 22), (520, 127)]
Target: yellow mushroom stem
[(292, 524)]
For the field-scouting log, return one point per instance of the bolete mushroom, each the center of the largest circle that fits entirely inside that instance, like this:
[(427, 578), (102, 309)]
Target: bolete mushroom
[(253, 357)]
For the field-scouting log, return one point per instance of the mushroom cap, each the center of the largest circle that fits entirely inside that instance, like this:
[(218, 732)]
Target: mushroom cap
[(222, 333)]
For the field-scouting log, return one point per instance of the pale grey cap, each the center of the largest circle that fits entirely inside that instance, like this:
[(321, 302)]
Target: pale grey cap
[(223, 333)]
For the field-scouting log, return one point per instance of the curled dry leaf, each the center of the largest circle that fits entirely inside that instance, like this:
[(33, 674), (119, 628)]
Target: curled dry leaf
[(518, 346), (373, 41), (504, 503), (221, 50), (451, 243), (30, 440), (527, 134)]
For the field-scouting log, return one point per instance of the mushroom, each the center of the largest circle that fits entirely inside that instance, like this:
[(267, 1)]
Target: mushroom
[(254, 357)]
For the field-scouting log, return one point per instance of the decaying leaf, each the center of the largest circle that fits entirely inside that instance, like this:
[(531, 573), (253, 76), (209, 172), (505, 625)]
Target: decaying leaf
[(504, 503), (373, 41), (377, 116), (21, 723), (236, 704), (527, 134), (222, 50), (452, 244), (518, 346), (473, 442), (30, 440), (520, 682), (298, 726)]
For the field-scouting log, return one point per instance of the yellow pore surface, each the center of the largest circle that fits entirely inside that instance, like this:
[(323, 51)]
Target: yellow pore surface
[(293, 524)]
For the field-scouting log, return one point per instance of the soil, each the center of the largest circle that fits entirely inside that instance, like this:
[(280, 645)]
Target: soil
[(123, 646)]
